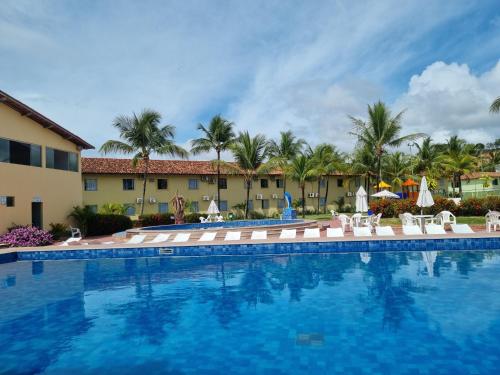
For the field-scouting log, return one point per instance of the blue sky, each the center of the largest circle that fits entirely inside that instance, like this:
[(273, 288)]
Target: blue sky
[(266, 65)]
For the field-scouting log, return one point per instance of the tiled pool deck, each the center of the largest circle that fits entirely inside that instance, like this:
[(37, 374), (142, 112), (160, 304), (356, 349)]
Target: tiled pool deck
[(450, 241)]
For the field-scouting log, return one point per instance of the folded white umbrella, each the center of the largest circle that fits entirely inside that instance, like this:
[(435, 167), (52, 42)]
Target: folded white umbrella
[(361, 201), (424, 195), (212, 208), (385, 194)]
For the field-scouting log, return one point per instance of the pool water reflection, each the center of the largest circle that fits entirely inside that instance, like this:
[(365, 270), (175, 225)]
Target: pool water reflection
[(381, 313)]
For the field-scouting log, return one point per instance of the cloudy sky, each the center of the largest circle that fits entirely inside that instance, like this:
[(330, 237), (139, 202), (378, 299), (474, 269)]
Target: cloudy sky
[(265, 65)]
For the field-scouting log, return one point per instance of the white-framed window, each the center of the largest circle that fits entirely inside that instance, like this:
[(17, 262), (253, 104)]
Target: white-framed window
[(128, 184), (163, 207), (90, 184), (193, 184)]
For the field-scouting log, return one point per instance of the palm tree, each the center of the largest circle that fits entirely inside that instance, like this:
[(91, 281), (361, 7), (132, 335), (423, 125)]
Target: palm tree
[(302, 170), (143, 136), (458, 158), (495, 106), (283, 151), (219, 136), (364, 163), (426, 159), (380, 132), (326, 160), (249, 154), (396, 167)]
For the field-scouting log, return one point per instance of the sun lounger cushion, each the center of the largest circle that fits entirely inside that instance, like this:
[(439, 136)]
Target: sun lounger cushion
[(311, 233), (288, 233), (137, 238), (162, 237), (434, 229), (259, 235), (334, 232), (411, 230), (384, 231), (208, 236), (362, 232), (181, 237), (232, 236), (461, 228)]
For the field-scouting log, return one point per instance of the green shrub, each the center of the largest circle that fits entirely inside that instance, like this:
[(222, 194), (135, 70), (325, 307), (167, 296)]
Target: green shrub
[(156, 219), (255, 215), (59, 230), (99, 225), (444, 204), (193, 217)]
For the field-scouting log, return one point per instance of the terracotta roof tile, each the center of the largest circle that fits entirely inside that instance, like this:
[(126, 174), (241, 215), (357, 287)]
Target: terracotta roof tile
[(475, 175)]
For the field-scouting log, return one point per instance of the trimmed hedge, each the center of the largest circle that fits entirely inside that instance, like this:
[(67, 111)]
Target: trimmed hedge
[(102, 224), (155, 219), (467, 207)]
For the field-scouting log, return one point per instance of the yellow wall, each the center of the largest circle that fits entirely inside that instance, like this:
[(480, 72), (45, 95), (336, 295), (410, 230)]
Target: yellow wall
[(59, 190), (110, 190)]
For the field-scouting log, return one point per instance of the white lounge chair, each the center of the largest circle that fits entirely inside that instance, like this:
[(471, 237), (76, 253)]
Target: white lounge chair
[(412, 230), (434, 229), (208, 236), (71, 240), (203, 220), (136, 239), (408, 219), (362, 232), (162, 237), (334, 232), (311, 233), (288, 234), (385, 231), (181, 237), (259, 235), (232, 236), (461, 228)]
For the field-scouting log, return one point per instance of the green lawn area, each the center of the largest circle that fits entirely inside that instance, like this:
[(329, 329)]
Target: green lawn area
[(396, 221)]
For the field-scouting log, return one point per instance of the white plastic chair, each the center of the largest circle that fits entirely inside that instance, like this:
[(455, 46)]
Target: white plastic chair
[(432, 228), (288, 233), (408, 219), (162, 237), (75, 232), (311, 233), (232, 236), (492, 220), (412, 230), (207, 236), (220, 219), (385, 231), (442, 218), (181, 237), (203, 220), (334, 232), (136, 239), (259, 235), (362, 232), (355, 220), (334, 213), (345, 222)]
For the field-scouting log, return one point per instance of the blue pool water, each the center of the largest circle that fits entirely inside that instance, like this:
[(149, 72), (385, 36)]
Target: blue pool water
[(381, 313), (225, 224)]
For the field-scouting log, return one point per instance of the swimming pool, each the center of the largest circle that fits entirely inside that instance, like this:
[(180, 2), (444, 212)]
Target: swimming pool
[(356, 313), (224, 224)]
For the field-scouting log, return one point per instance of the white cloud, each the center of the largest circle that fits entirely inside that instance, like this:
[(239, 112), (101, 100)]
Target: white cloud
[(447, 99)]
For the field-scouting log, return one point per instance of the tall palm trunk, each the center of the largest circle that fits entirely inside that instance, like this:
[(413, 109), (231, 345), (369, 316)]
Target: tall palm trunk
[(319, 192), (218, 178), (303, 188), (284, 185), (368, 187), (326, 195), (379, 172), (146, 166), (248, 199)]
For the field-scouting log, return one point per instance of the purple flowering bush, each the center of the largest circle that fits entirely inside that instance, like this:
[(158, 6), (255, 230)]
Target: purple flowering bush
[(26, 236)]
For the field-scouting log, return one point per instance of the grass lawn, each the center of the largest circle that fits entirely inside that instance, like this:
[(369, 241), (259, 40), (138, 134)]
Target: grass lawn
[(396, 221)]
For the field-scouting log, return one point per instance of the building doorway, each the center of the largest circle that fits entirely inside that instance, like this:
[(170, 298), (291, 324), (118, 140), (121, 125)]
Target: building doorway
[(36, 214)]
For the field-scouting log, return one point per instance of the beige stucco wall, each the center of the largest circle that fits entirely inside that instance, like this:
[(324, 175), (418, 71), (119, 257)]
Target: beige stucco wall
[(110, 190), (59, 190)]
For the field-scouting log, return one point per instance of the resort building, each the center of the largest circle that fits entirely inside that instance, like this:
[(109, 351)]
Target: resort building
[(40, 172), (107, 180), (480, 184)]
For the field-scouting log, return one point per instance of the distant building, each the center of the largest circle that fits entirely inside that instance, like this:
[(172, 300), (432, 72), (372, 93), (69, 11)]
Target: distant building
[(480, 184), (40, 173), (107, 180)]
